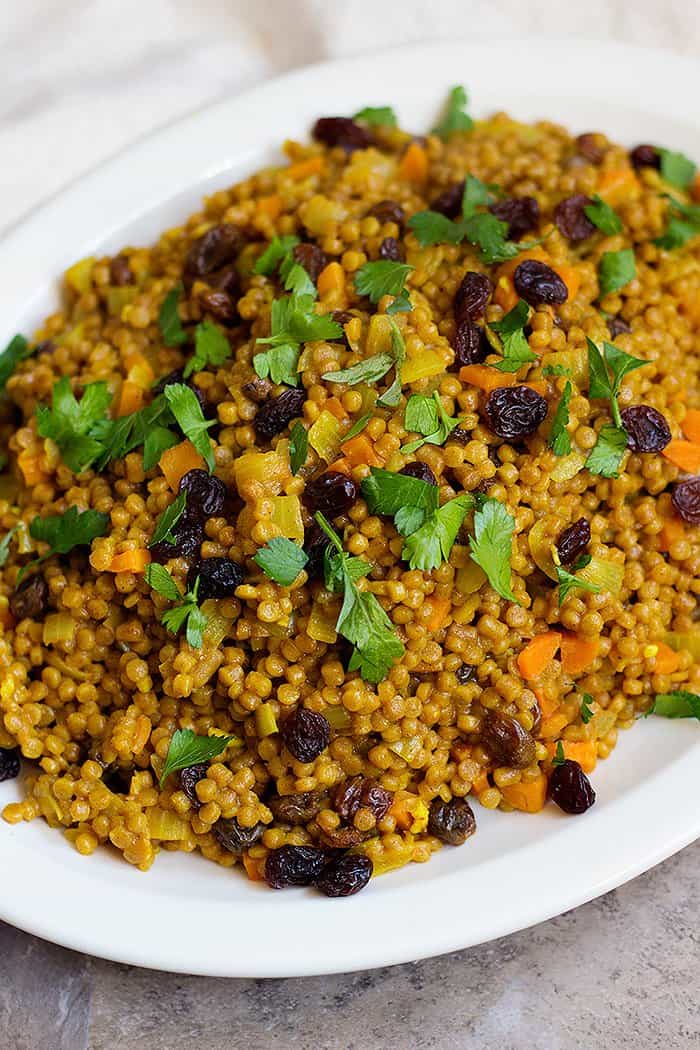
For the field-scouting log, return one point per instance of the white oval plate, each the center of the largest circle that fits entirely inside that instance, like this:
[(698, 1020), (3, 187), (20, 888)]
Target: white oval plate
[(193, 917)]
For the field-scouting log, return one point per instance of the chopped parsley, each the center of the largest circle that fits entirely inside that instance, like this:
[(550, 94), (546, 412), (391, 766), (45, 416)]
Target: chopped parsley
[(277, 250), (186, 748), (683, 224), (430, 544), (676, 168), (63, 532), (16, 350), (169, 518), (456, 117), (281, 560), (679, 704), (556, 370), (189, 416), (408, 500), (514, 344), (606, 455), (384, 277), (392, 395), (169, 319), (5, 544), (185, 611), (147, 427), (357, 427), (603, 216), (298, 446), (374, 368), (69, 423), (279, 253), (491, 545), (615, 270), (425, 415), (569, 582), (559, 756), (377, 116), (362, 620), (606, 372), (559, 438), (211, 347), (293, 321), (586, 711)]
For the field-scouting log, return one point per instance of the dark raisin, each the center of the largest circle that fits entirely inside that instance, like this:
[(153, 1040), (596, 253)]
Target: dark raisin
[(449, 202), (311, 257), (275, 415), (573, 541), (296, 809), (220, 305), (315, 545), (118, 779), (218, 578), (451, 822), (647, 430), (515, 411), (188, 533), (345, 875), (189, 777), (521, 213), (591, 146), (537, 283), (331, 492), (120, 271), (9, 763), (30, 600), (388, 211), (294, 866), (466, 673), (571, 220), (506, 740), (391, 249), (361, 792), (645, 156), (570, 788), (341, 131), (419, 470), (227, 280), (206, 494), (471, 297), (306, 734), (616, 326), (342, 837), (235, 838), (257, 389), (470, 344), (460, 436), (219, 245), (686, 499)]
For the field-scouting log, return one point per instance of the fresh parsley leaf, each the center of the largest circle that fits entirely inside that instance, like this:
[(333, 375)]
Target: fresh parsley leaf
[(281, 559), (586, 712), (368, 371), (5, 545), (514, 321), (603, 216), (190, 418), (559, 756), (377, 116), (431, 227), (63, 532), (211, 347), (491, 545), (408, 500), (160, 580), (683, 224), (514, 344), (186, 748), (16, 350), (146, 427), (392, 395), (293, 321), (428, 546), (157, 440), (277, 250), (556, 370), (185, 612), (169, 518), (357, 427), (279, 253), (606, 455), (296, 279), (68, 422), (426, 415), (384, 277), (456, 117), (298, 445), (279, 363), (559, 438), (605, 373), (489, 234), (676, 168), (169, 319), (362, 620), (616, 270), (569, 582), (679, 704)]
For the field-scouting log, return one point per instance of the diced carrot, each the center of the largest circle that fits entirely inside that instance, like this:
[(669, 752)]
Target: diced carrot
[(480, 782), (439, 610), (304, 168), (343, 465), (577, 654), (413, 166), (130, 561), (683, 454), (528, 796), (254, 867), (130, 398), (691, 425), (667, 660), (585, 752), (551, 727), (360, 450), (538, 654), (175, 462), (270, 206), (487, 379), (548, 704), (571, 278), (541, 386), (407, 809), (618, 185), (671, 532), (31, 471), (331, 280), (505, 294), (335, 406)]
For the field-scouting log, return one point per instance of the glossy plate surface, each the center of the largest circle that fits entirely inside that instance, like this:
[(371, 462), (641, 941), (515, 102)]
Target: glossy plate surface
[(191, 916)]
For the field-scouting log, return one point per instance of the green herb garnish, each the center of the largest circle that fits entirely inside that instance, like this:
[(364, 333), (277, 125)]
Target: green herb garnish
[(5, 544), (603, 216), (556, 370), (277, 250), (281, 559), (408, 500), (559, 438), (63, 532), (606, 455), (683, 224), (514, 344), (676, 168), (146, 427), (298, 445), (374, 368), (190, 418), (679, 704), (185, 611), (456, 117), (430, 544), (568, 581), (392, 395), (357, 427), (163, 532), (559, 756), (606, 372), (186, 748), (586, 711), (169, 319), (426, 415), (491, 545), (293, 321), (211, 347), (377, 116), (615, 270), (280, 253), (69, 422), (16, 350), (384, 277)]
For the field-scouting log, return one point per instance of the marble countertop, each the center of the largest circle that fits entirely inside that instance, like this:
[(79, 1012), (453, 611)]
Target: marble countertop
[(80, 79)]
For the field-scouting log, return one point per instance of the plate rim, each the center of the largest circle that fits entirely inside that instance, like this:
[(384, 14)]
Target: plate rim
[(680, 827)]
